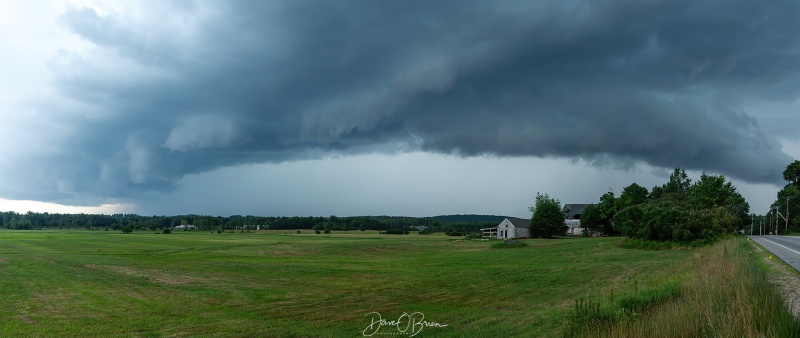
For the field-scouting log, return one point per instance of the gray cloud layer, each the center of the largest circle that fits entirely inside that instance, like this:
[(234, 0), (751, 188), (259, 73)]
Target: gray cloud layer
[(195, 86)]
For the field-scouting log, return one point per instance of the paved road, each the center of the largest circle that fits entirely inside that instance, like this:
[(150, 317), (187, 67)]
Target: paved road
[(787, 248)]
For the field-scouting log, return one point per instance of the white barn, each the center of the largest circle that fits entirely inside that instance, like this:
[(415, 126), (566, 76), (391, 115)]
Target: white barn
[(514, 228)]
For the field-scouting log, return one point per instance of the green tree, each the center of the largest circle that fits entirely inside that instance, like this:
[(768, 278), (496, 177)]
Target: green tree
[(789, 196), (679, 183), (327, 226), (629, 220), (792, 173), (547, 220), (711, 192), (607, 208), (127, 229), (656, 193), (633, 194), (591, 220)]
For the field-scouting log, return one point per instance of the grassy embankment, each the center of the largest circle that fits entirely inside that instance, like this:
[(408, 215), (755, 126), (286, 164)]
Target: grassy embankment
[(79, 283), (724, 292)]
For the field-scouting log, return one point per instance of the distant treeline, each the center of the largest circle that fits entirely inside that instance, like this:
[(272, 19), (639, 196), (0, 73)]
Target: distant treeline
[(451, 224)]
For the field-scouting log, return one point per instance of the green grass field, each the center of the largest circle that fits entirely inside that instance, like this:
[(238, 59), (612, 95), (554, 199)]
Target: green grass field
[(104, 283)]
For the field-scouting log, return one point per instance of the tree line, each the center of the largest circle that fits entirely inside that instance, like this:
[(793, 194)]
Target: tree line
[(784, 213), (450, 224), (679, 211)]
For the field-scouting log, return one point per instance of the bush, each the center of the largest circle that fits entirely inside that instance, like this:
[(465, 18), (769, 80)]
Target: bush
[(586, 316), (317, 232), (167, 231), (394, 232), (127, 229)]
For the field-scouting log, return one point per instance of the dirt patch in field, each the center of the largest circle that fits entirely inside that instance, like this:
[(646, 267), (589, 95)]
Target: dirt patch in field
[(27, 320), (158, 276)]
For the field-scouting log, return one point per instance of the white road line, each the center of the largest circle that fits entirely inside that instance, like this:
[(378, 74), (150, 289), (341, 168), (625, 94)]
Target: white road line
[(792, 250)]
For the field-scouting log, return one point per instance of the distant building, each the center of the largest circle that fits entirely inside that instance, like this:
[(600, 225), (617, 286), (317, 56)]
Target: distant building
[(572, 216), (184, 227), (510, 227)]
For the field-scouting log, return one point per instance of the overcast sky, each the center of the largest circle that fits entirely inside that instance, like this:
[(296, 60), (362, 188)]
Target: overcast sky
[(414, 108)]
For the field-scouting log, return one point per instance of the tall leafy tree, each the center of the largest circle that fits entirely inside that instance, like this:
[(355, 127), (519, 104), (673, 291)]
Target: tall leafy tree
[(633, 194), (792, 173), (789, 197), (678, 184), (712, 191), (590, 219), (547, 220), (607, 208)]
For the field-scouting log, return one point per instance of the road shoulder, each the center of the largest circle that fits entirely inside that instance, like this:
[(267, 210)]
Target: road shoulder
[(784, 277)]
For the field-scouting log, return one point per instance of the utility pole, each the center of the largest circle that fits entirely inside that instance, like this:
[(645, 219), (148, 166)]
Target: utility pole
[(787, 213), (769, 225)]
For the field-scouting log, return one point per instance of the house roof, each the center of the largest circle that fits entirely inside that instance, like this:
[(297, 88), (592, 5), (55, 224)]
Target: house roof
[(519, 222), (570, 210)]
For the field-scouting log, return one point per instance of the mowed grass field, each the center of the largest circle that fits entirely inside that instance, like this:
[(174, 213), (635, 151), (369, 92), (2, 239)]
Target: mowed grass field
[(105, 283)]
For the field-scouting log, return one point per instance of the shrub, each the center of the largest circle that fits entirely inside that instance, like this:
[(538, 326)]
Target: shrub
[(317, 232), (586, 316), (167, 231)]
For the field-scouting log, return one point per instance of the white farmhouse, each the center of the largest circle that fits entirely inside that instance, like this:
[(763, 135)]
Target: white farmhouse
[(514, 228)]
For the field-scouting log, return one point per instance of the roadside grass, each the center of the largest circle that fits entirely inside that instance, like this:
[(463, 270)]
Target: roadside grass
[(280, 283), (725, 293)]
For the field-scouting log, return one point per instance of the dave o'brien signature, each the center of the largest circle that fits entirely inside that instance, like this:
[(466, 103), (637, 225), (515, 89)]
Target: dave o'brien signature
[(410, 324)]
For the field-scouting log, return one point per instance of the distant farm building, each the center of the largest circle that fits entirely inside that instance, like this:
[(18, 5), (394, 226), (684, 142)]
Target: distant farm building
[(572, 216), (510, 227), (184, 227)]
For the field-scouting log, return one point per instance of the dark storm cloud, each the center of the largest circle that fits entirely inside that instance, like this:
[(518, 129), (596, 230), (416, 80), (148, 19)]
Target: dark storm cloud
[(198, 86)]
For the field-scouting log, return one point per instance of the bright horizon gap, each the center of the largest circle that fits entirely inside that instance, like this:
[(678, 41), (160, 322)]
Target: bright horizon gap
[(25, 206)]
